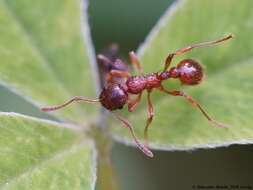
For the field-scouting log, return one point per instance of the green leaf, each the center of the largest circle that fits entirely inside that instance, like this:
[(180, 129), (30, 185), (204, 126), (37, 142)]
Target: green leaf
[(226, 92), (40, 154), (42, 52)]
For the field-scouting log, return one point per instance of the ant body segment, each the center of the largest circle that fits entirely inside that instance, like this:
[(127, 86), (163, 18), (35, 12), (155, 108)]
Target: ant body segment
[(108, 60), (116, 93)]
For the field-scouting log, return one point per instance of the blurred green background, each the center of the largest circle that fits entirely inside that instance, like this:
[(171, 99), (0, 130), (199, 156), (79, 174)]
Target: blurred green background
[(127, 23)]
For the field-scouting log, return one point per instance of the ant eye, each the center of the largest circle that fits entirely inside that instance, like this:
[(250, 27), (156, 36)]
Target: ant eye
[(190, 72)]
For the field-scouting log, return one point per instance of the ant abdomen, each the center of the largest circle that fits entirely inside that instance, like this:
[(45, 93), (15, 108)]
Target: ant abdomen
[(190, 72), (113, 97)]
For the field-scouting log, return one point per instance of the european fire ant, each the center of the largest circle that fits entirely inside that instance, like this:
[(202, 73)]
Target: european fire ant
[(116, 93)]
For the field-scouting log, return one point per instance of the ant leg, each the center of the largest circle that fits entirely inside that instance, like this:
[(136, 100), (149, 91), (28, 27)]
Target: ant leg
[(142, 147), (134, 103), (150, 118), (190, 47), (194, 104), (203, 44), (135, 61), (117, 73), (74, 99), (104, 60), (168, 61)]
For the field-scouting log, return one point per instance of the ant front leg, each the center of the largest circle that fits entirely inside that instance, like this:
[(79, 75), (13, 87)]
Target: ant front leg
[(74, 99), (135, 61), (168, 61), (142, 147), (132, 104), (150, 117), (190, 47), (104, 60), (117, 73), (194, 104)]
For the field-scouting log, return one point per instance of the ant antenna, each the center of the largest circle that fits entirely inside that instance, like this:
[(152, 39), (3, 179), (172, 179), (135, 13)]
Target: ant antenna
[(74, 99), (142, 147)]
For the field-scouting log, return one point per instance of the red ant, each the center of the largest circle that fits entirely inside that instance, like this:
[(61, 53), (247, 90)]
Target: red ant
[(116, 94)]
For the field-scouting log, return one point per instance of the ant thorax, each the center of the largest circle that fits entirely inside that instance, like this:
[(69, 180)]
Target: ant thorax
[(137, 84)]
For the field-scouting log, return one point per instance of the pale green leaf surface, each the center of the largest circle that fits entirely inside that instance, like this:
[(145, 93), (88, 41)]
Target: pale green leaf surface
[(39, 154), (226, 91), (42, 53)]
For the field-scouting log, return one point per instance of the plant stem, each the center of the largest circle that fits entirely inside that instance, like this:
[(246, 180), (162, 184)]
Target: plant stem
[(107, 179)]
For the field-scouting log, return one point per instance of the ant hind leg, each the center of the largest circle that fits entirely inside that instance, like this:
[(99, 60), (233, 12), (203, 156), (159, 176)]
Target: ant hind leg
[(203, 44), (150, 118), (190, 47), (194, 104)]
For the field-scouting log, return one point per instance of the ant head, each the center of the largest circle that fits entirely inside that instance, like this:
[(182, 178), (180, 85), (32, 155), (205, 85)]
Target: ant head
[(189, 71)]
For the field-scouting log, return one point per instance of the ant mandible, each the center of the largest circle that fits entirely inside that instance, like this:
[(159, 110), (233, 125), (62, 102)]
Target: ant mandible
[(115, 94)]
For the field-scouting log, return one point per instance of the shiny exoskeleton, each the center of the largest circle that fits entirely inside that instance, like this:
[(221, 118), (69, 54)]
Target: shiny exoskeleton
[(115, 96), (120, 85)]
